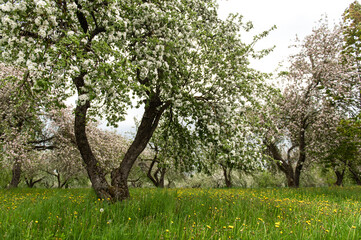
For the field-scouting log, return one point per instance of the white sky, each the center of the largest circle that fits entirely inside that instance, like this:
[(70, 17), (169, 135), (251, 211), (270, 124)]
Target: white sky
[(292, 17)]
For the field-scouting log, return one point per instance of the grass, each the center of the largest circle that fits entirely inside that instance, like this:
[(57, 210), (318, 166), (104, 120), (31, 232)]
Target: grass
[(306, 213)]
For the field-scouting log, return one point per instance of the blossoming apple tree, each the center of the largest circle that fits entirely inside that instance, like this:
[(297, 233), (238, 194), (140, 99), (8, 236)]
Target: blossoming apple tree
[(319, 84), (167, 54)]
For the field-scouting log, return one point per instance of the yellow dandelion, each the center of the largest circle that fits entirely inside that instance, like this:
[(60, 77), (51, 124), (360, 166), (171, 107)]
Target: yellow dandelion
[(230, 227), (353, 227), (208, 226)]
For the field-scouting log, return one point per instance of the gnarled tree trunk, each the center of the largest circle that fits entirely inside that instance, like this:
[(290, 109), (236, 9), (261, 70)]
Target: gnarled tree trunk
[(118, 190), (16, 174), (227, 175), (31, 182), (152, 113), (158, 176), (339, 177), (284, 165), (95, 173), (355, 174)]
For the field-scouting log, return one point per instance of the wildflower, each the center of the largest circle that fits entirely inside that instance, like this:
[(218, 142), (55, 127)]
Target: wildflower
[(277, 224), (36, 221), (230, 227), (353, 227), (208, 226), (129, 219), (101, 210), (260, 219), (167, 230)]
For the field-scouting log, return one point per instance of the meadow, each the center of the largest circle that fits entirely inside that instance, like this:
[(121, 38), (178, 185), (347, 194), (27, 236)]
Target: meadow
[(305, 213)]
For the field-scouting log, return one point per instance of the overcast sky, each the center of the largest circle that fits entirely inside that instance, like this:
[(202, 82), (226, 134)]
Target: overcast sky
[(292, 17)]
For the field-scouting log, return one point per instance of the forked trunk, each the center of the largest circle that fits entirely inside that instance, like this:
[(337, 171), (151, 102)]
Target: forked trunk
[(157, 178), (283, 165), (30, 182), (150, 119), (118, 190), (16, 174)]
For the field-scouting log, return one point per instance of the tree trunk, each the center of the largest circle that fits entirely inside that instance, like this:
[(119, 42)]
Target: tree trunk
[(339, 176), (355, 175), (95, 173), (31, 183), (16, 174), (302, 156), (291, 181), (284, 166), (227, 176), (152, 113), (119, 177), (161, 171)]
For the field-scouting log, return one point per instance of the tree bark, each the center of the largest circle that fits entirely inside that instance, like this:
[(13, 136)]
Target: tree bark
[(283, 165), (31, 183), (339, 177), (227, 176), (302, 156), (355, 175), (16, 174), (158, 176), (152, 113), (95, 173)]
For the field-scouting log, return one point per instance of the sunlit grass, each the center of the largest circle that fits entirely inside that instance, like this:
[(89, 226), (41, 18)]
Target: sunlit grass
[(312, 213)]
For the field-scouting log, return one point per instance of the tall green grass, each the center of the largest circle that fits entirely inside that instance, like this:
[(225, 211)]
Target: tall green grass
[(306, 213)]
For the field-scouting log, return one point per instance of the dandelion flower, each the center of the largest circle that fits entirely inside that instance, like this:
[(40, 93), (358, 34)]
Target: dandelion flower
[(101, 210)]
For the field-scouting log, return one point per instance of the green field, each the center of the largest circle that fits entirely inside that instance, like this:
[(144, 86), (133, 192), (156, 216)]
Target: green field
[(306, 213)]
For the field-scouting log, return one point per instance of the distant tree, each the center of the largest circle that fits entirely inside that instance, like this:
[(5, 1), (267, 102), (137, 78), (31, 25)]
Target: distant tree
[(318, 82), (20, 126)]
